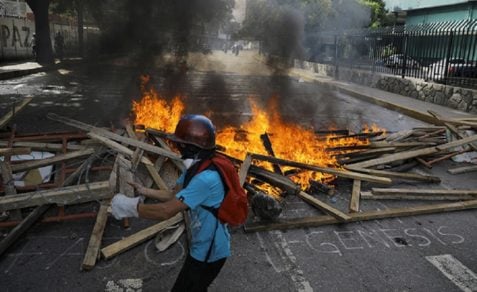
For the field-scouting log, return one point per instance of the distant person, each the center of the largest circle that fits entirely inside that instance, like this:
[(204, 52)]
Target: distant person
[(59, 45), (34, 43), (225, 48)]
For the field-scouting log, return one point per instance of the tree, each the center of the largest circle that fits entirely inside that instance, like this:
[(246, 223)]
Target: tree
[(378, 12), (44, 53), (262, 21)]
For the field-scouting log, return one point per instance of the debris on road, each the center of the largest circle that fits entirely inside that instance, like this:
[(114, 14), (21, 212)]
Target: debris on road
[(116, 156)]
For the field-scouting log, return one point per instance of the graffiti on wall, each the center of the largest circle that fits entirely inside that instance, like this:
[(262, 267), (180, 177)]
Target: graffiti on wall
[(15, 37)]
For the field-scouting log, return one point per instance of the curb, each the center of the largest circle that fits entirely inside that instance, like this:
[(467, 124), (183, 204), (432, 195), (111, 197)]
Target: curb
[(419, 115), (19, 73)]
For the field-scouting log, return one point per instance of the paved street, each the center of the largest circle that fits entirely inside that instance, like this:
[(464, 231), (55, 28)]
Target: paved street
[(418, 253)]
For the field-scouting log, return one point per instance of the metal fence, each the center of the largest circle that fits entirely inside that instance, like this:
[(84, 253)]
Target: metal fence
[(444, 52)]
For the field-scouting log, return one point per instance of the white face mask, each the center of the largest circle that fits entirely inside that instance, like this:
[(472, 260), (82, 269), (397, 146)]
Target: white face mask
[(188, 162)]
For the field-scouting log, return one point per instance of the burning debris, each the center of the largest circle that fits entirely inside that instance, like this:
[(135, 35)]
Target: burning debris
[(275, 159)]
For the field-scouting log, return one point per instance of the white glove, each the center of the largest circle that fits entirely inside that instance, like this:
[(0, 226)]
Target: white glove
[(124, 207)]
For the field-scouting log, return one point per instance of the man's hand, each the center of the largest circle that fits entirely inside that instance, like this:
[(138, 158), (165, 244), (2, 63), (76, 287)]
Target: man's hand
[(124, 207)]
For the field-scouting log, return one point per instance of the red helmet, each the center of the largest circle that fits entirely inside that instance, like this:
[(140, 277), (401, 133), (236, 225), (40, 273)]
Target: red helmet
[(197, 130)]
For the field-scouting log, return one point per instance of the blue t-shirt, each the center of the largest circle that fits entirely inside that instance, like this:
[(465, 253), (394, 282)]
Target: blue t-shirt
[(205, 189)]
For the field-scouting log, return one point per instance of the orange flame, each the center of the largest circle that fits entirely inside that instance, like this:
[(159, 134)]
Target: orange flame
[(289, 141), (154, 112)]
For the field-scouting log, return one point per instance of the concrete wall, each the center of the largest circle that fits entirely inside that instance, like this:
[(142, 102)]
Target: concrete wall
[(16, 37), (454, 97)]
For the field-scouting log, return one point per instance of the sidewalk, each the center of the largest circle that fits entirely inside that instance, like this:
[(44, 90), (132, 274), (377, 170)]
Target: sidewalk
[(23, 68), (19, 69), (409, 106)]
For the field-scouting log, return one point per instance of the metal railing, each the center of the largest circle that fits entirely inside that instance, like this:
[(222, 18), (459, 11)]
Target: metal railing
[(443, 52)]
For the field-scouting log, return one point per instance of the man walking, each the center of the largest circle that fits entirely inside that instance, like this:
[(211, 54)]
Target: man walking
[(200, 192)]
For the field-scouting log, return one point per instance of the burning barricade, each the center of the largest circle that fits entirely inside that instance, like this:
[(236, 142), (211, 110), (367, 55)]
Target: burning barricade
[(275, 159)]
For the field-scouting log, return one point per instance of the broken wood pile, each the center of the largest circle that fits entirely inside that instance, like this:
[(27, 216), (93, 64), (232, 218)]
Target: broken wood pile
[(59, 169), (388, 156), (95, 163)]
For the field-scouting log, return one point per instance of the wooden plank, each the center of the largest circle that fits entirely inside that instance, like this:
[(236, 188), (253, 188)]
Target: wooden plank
[(274, 179), (382, 144), (52, 160), (399, 175), (463, 169), (124, 176), (35, 215), (138, 153), (334, 171), (159, 141), (64, 196), (17, 108), (9, 188), (43, 146), (315, 221), (370, 196), (94, 245), (244, 169), (452, 128), (118, 147), (413, 192), (113, 136), (413, 153), (355, 196), (151, 169), (323, 206), (21, 228), (14, 151), (131, 241)]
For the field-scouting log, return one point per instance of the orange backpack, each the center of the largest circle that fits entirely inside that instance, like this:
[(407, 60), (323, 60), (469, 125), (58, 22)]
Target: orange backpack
[(234, 208)]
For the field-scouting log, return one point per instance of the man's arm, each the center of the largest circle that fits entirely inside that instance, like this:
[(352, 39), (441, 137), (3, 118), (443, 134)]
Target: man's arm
[(161, 195), (161, 211)]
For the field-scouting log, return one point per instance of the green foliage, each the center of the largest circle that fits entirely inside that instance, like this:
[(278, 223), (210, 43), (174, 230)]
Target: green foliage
[(378, 12)]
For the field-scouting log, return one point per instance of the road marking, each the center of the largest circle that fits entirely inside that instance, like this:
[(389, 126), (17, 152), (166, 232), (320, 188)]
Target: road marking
[(129, 285), (286, 262), (289, 258), (455, 271)]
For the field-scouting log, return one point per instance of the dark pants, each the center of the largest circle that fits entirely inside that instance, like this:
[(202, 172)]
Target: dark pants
[(196, 275)]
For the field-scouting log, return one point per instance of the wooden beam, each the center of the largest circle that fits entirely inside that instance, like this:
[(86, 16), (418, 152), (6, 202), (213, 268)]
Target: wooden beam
[(159, 141), (113, 136), (244, 169), (370, 196), (452, 128), (6, 118), (463, 169), (315, 221), (131, 241), (413, 153), (64, 196), (355, 196), (399, 175), (94, 245), (118, 147), (52, 160), (274, 179), (382, 144), (43, 146), (334, 171), (21, 228), (153, 172), (14, 151), (412, 192), (323, 206), (9, 187)]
